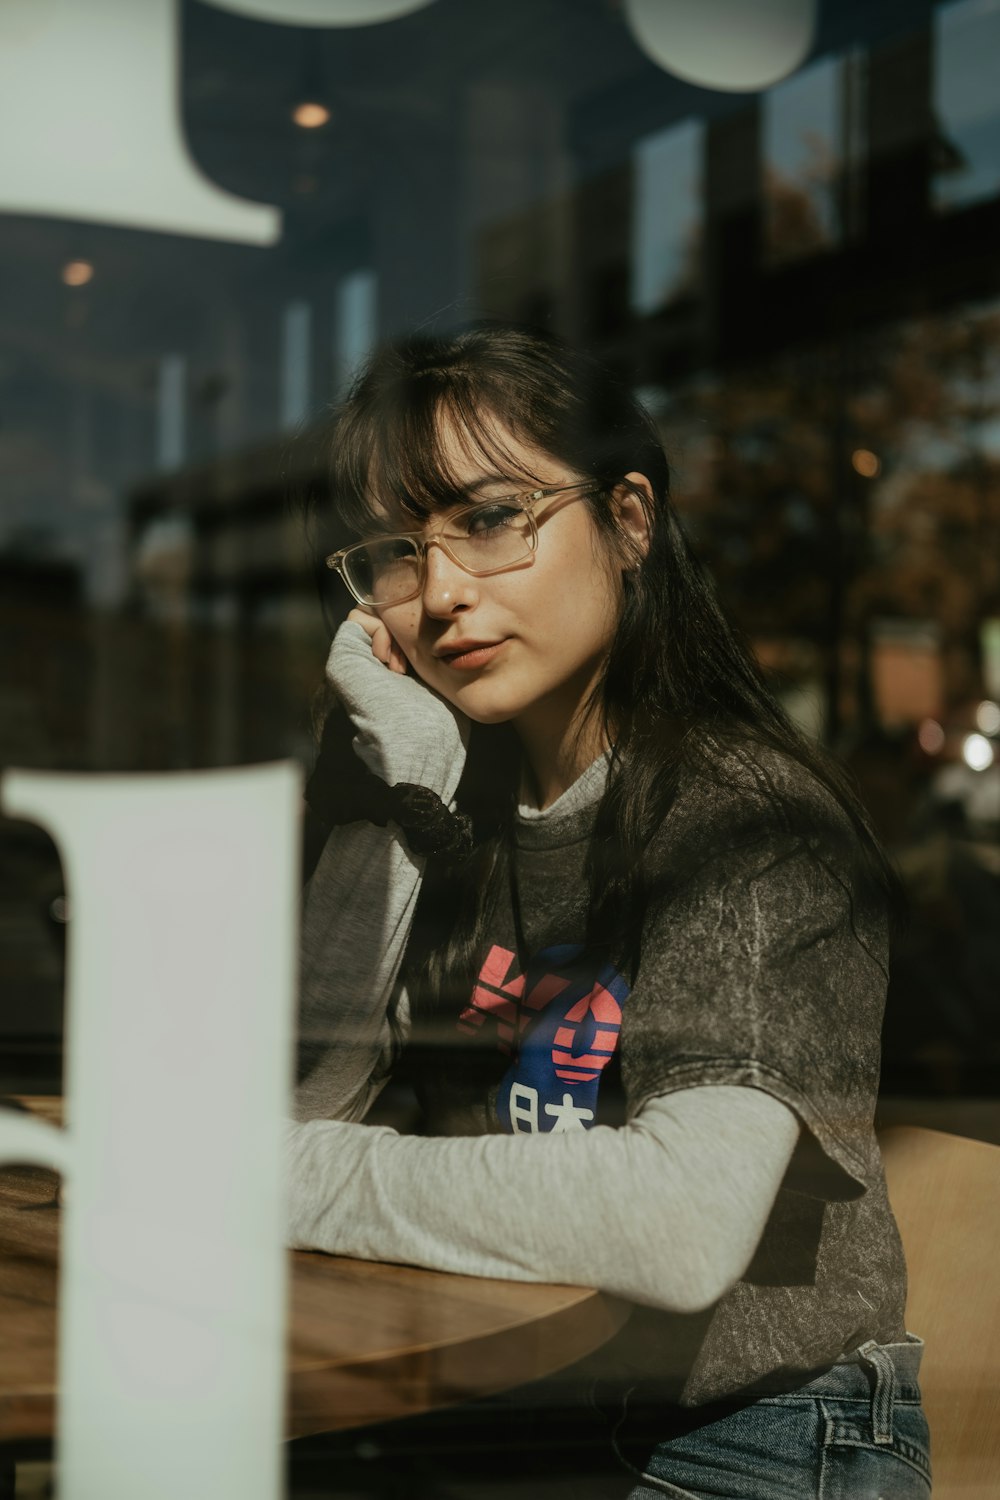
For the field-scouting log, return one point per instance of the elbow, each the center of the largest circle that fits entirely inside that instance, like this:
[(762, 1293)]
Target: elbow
[(720, 1261), (700, 1290), (702, 1293), (697, 1281)]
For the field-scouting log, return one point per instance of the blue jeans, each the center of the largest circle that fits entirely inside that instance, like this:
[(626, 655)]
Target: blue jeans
[(857, 1432)]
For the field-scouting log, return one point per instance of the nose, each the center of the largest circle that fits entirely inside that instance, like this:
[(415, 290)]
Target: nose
[(448, 589)]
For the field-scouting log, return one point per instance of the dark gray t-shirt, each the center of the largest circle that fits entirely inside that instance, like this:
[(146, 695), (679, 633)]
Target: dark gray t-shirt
[(764, 965)]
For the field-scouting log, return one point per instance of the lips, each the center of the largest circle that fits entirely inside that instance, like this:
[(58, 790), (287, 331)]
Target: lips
[(466, 656)]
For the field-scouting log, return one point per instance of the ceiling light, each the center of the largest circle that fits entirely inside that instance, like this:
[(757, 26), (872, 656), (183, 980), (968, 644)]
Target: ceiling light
[(725, 44), (77, 272), (310, 115), (322, 12)]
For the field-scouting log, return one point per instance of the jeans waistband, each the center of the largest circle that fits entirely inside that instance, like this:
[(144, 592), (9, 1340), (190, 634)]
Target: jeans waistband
[(904, 1358), (878, 1375), (883, 1374)]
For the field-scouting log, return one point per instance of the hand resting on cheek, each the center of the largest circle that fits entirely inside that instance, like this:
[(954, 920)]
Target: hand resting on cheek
[(403, 731), (385, 647)]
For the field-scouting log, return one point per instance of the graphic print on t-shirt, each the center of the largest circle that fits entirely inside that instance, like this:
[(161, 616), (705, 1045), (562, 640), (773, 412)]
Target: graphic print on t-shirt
[(560, 1023)]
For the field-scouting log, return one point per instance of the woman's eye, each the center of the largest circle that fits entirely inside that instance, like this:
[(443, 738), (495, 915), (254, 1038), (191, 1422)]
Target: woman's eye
[(388, 557), (384, 554), (490, 518)]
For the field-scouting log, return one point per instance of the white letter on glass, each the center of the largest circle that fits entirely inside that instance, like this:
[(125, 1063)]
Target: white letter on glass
[(89, 117), (179, 1026)]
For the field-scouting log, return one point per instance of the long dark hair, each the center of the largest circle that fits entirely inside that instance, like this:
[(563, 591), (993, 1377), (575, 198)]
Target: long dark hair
[(675, 664)]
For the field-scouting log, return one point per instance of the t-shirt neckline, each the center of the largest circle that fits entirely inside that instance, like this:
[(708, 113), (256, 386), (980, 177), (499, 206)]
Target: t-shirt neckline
[(570, 816)]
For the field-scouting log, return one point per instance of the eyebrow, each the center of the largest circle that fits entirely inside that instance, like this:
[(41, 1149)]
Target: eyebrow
[(510, 484), (506, 483)]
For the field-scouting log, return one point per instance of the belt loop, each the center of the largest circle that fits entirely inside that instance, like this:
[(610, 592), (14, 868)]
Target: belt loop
[(884, 1395)]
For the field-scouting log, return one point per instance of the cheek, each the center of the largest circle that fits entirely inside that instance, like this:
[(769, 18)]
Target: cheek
[(402, 624), (584, 596)]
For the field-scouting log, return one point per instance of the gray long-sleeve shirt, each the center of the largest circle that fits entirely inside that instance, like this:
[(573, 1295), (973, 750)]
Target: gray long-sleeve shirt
[(479, 1206), (725, 1046)]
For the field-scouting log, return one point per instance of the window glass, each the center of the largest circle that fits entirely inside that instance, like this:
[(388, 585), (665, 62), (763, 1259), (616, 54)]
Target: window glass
[(803, 143), (966, 103), (355, 323), (668, 192)]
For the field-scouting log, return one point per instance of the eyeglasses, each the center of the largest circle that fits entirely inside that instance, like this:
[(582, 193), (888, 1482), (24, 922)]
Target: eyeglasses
[(484, 538)]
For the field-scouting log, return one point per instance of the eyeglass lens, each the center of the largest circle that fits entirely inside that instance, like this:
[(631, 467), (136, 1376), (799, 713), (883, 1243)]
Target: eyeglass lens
[(484, 539)]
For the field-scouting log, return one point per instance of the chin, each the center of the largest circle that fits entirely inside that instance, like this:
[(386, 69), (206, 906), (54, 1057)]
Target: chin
[(485, 709), (481, 710), (488, 716)]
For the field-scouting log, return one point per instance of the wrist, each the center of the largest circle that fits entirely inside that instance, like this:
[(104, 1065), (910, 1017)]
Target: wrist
[(345, 788)]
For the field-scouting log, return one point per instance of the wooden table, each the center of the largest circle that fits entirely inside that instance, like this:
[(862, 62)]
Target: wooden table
[(367, 1342)]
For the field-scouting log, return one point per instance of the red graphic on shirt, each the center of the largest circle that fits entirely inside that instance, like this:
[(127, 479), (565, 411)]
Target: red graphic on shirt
[(604, 1009), (496, 996)]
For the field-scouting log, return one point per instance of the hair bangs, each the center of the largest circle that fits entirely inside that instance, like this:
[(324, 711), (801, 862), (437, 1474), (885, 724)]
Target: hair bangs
[(483, 431), (408, 460)]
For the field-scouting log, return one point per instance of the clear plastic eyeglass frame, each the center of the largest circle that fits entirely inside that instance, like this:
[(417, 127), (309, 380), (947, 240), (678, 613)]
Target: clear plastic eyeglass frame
[(339, 562)]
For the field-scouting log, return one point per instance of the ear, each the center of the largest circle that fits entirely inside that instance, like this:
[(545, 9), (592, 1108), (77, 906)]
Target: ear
[(634, 508)]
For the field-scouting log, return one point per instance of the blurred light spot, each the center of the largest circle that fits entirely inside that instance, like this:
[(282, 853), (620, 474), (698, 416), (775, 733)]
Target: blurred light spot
[(59, 909), (930, 737), (865, 462), (310, 116), (977, 752), (77, 272), (988, 717)]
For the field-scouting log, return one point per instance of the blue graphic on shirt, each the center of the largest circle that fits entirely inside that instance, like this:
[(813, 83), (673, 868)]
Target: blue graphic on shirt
[(560, 1022)]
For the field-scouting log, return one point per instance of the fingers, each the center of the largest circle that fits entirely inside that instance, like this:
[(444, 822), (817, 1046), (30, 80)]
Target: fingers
[(368, 622), (387, 649), (384, 646)]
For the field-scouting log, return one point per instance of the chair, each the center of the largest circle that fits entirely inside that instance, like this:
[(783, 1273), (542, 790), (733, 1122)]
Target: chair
[(945, 1192)]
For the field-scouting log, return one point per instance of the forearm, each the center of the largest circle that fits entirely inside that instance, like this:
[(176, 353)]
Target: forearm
[(356, 920), (665, 1211), (360, 901)]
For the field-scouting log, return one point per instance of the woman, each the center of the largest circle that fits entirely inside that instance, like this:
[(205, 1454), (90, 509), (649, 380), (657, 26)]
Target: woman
[(637, 970)]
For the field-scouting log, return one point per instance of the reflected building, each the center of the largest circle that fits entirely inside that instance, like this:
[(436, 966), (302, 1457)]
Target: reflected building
[(225, 599)]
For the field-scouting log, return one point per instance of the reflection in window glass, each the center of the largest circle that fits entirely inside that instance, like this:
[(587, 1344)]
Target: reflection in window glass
[(966, 102), (667, 215), (296, 339), (171, 411), (803, 142), (355, 323)]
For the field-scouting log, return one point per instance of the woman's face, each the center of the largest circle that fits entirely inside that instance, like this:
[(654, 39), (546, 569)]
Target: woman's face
[(525, 645)]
